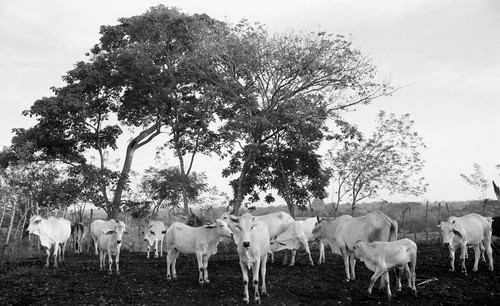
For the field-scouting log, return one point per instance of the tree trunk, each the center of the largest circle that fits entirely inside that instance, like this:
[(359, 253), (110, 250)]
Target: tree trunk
[(239, 193), (12, 216), (3, 214), (143, 138), (427, 222)]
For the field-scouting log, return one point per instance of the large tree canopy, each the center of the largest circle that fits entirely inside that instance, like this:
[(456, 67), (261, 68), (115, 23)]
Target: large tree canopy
[(285, 87), (142, 74)]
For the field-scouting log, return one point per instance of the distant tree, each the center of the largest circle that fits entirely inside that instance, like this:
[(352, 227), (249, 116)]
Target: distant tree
[(270, 81), (478, 181), (388, 160), (164, 187)]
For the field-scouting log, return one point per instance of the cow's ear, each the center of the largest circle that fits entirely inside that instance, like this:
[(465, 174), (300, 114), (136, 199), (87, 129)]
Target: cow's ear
[(318, 220), (163, 232), (152, 233), (456, 232), (210, 226), (125, 233), (234, 219)]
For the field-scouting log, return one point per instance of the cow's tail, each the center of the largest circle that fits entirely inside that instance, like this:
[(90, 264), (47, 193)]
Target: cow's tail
[(393, 232)]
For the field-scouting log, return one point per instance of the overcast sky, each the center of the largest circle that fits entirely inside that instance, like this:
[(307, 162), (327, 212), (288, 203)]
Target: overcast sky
[(445, 56)]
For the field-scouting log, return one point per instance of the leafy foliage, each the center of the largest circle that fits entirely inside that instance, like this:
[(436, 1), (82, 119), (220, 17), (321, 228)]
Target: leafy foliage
[(477, 180)]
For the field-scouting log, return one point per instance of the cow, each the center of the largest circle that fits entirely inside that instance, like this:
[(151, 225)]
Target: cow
[(277, 223), (298, 233), (251, 236), (96, 230), (495, 226), (52, 232), (343, 232), (77, 234), (155, 235), (381, 256), (110, 242), (472, 229), (201, 241)]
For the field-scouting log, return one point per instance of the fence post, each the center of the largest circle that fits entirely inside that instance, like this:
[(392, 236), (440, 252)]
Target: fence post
[(413, 225), (427, 222), (448, 209), (404, 226)]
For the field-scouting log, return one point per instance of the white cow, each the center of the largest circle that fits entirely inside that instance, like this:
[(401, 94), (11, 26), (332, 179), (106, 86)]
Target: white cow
[(298, 233), (52, 232), (78, 233), (96, 230), (380, 257), (201, 241), (343, 232), (471, 229), (110, 242), (155, 235), (276, 222), (251, 236)]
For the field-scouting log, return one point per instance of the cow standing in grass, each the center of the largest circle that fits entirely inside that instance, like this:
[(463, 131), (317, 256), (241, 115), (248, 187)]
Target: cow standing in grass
[(110, 242)]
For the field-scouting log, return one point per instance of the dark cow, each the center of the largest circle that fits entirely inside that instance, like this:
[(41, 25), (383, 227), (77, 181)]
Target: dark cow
[(77, 234), (495, 226)]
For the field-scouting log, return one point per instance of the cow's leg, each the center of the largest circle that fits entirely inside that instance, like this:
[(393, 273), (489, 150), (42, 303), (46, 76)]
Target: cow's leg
[(148, 249), (463, 253), (352, 265), (56, 252), (378, 272), (321, 253), (292, 257), (285, 257), (271, 254), (414, 276), (174, 264), (161, 248), (244, 272), (452, 259), (488, 249), (256, 272), (117, 262), (101, 255), (63, 255), (110, 262), (96, 246), (388, 285), (47, 262), (156, 248), (477, 254), (206, 257), (308, 251), (398, 271), (169, 263), (345, 257), (201, 268), (481, 248), (263, 270)]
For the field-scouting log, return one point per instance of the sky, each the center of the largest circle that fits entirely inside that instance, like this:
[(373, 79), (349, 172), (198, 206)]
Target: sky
[(443, 55)]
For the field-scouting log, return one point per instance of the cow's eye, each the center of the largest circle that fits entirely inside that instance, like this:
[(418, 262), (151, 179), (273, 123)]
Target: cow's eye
[(37, 221)]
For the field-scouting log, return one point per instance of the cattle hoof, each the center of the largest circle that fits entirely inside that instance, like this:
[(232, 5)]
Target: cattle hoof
[(169, 278), (257, 300), (246, 301), (264, 293), (414, 292)]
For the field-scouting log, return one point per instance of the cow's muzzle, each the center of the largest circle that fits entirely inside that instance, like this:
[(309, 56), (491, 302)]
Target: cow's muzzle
[(246, 244), (118, 241)]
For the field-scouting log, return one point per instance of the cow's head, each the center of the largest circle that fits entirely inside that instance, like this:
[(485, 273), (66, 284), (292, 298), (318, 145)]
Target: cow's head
[(277, 245), (221, 228), (150, 237), (35, 224), (242, 227), (449, 231), (119, 230), (359, 248)]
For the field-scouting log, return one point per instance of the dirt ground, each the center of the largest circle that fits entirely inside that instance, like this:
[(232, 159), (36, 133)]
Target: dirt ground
[(143, 282)]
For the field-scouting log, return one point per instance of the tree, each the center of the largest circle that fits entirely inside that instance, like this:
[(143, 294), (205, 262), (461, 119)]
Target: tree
[(265, 78), (388, 160), (143, 73), (165, 186), (477, 181)]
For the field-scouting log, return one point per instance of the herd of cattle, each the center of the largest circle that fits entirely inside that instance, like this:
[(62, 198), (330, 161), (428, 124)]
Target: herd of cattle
[(372, 238)]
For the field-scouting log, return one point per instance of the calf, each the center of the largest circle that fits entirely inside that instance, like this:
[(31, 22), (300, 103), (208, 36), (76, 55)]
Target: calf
[(380, 257), (110, 243), (471, 229), (154, 236), (77, 234), (298, 233), (252, 239), (343, 232), (52, 232), (201, 241)]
